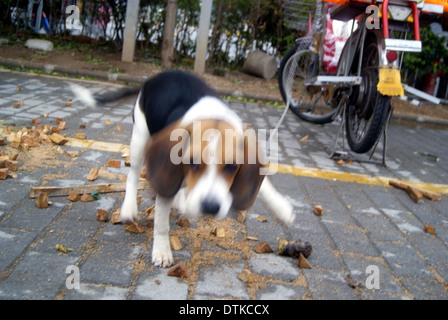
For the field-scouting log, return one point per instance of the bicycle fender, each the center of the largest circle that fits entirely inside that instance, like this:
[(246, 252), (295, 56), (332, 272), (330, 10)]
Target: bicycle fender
[(389, 82)]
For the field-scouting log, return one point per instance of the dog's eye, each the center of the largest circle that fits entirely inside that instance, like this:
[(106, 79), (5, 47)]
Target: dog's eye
[(230, 168)]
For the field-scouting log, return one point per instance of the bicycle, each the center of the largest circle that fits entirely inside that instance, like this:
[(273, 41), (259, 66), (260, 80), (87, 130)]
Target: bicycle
[(359, 91)]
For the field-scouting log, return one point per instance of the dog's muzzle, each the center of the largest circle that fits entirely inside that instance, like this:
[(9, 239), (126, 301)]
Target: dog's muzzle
[(210, 206)]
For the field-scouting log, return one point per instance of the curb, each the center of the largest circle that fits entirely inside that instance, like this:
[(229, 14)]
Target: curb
[(121, 77)]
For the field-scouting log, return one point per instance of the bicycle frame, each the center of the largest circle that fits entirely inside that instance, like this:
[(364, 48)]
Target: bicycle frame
[(390, 79), (367, 74)]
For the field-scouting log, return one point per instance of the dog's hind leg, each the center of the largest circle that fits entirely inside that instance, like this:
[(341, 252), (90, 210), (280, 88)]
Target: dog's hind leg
[(275, 202), (140, 137)]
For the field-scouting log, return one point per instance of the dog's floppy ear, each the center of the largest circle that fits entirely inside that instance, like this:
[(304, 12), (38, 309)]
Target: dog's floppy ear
[(248, 180), (163, 160)]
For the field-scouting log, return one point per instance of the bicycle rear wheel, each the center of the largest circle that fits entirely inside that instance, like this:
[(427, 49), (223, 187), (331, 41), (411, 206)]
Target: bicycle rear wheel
[(308, 103), (367, 109)]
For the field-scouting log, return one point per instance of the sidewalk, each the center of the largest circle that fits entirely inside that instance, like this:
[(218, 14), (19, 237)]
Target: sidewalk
[(368, 232)]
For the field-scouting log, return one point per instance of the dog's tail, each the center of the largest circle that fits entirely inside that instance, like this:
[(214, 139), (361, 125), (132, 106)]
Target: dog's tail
[(86, 96)]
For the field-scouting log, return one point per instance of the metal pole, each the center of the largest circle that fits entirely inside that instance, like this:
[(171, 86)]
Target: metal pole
[(202, 39), (130, 30)]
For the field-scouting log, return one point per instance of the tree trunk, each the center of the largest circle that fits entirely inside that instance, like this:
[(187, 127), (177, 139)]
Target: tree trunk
[(168, 34), (216, 33)]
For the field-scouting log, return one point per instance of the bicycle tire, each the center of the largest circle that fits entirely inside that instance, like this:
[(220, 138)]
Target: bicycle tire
[(299, 109), (377, 122), (372, 109)]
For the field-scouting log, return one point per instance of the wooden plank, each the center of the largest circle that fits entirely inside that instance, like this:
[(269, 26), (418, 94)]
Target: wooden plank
[(111, 175), (100, 188), (419, 191)]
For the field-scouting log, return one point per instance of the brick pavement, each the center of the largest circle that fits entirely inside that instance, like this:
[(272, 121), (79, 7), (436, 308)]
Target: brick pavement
[(363, 224)]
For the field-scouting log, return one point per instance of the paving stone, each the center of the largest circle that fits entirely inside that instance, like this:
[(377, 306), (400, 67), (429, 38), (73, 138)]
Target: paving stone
[(89, 291), (117, 233), (431, 249), (16, 193), (404, 220), (88, 210), (377, 226), (358, 268), (349, 238), (69, 233), (321, 194), (157, 285), (274, 291), (425, 289), (94, 156), (14, 243), (110, 264), (60, 114), (104, 272), (29, 217), (404, 260), (265, 231), (38, 276), (285, 181), (221, 280), (328, 285), (274, 266), (324, 254)]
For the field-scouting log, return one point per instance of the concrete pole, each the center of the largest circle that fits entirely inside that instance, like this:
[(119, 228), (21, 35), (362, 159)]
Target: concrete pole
[(202, 39), (38, 16), (130, 30)]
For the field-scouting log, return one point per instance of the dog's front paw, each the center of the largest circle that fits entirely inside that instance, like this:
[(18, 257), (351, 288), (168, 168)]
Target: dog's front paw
[(162, 256), (128, 212)]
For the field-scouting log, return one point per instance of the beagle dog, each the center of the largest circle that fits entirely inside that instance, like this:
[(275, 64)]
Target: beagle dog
[(199, 159)]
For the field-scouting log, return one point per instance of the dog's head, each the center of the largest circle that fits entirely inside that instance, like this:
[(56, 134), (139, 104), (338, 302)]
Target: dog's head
[(218, 164)]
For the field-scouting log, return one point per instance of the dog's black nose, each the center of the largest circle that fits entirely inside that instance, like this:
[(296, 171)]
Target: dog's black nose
[(210, 207)]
